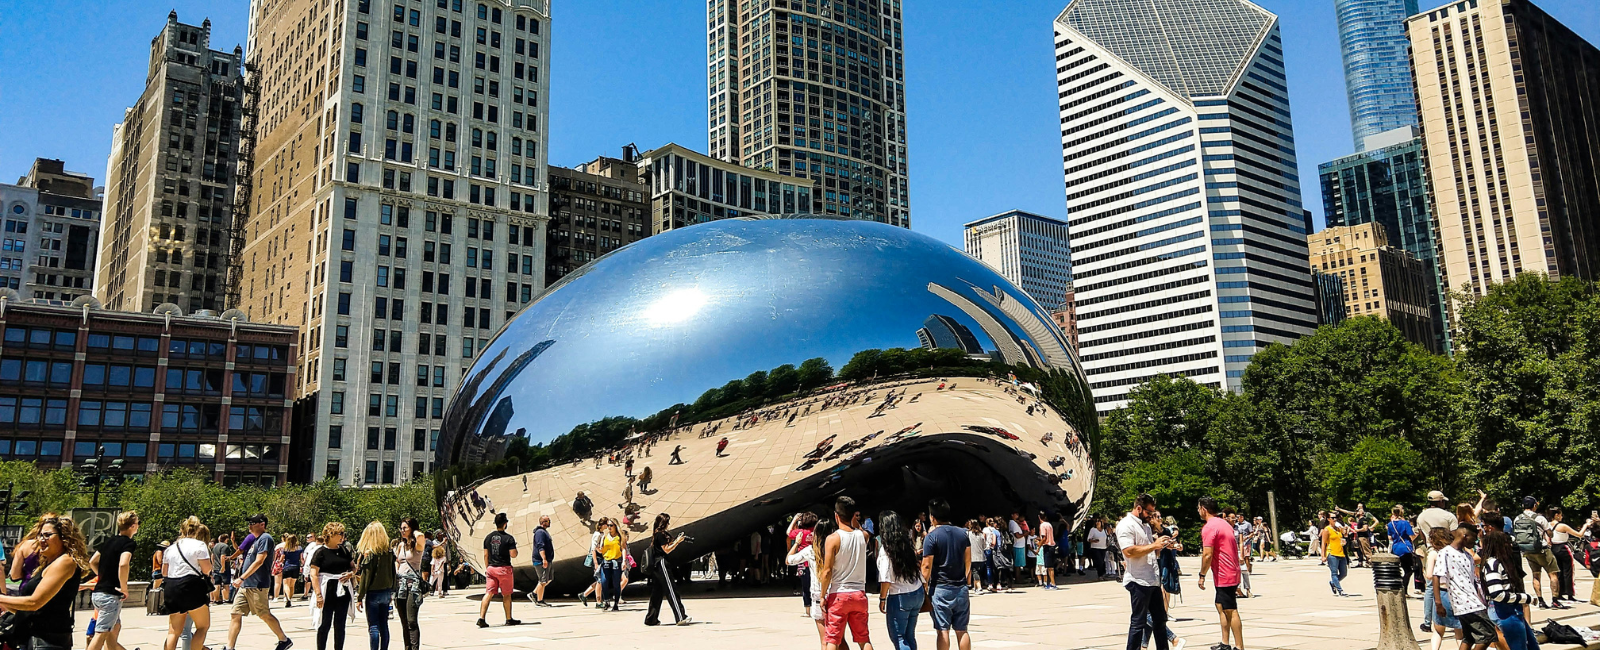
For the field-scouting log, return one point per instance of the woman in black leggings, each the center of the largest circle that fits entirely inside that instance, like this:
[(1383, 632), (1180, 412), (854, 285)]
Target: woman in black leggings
[(331, 579), (661, 587)]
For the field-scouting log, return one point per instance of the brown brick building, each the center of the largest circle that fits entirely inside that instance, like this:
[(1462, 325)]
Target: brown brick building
[(156, 390)]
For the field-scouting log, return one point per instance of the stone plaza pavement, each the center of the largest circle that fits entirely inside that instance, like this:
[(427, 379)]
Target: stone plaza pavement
[(1293, 608)]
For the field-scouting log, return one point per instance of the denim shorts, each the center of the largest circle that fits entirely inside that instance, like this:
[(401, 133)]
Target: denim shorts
[(950, 607), (107, 610)]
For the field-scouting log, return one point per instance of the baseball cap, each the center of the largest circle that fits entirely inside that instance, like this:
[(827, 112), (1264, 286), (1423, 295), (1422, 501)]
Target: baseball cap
[(1435, 496), (257, 518)]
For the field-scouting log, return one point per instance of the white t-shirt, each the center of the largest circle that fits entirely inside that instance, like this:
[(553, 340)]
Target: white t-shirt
[(1097, 538), (1132, 532), (897, 584), (1455, 568), (188, 548), (975, 541), (1016, 530)]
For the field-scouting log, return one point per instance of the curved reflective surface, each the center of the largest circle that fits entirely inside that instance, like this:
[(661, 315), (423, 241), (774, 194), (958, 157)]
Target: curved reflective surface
[(783, 362)]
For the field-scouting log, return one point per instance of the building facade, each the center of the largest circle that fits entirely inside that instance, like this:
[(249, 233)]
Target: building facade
[(1066, 318), (1376, 279), (595, 209), (1387, 184), (686, 188), (1028, 249), (1510, 114), (52, 228), (1377, 69), (158, 391), (816, 92), (1183, 198), (397, 212), (169, 195)]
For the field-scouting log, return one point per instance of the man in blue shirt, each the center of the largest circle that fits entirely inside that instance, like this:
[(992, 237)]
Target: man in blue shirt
[(544, 555), (255, 586), (946, 563)]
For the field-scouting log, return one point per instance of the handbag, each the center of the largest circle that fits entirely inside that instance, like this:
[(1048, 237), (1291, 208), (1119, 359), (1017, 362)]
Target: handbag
[(14, 628)]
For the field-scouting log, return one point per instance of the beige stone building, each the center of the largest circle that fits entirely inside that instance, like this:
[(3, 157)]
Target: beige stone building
[(1379, 279), (397, 209), (1510, 114), (171, 178)]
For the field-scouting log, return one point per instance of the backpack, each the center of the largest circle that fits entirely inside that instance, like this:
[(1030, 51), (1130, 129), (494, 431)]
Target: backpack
[(1559, 633), (1525, 532)]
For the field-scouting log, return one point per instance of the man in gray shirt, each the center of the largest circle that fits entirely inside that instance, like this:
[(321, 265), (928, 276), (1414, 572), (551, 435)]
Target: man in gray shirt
[(1436, 515)]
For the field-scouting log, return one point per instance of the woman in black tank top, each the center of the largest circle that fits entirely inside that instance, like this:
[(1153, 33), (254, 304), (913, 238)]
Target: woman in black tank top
[(45, 600)]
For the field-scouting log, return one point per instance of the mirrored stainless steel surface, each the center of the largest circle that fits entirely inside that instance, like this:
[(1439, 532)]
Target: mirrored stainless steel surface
[(750, 369)]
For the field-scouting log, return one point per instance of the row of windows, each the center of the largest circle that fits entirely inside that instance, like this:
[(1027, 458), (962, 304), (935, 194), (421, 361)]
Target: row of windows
[(1161, 331)]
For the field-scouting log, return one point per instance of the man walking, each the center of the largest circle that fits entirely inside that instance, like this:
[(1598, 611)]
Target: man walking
[(1139, 577), (543, 557), (946, 563), (499, 548), (843, 578), (1220, 558), (255, 586), (1045, 567), (1531, 531), (1456, 568)]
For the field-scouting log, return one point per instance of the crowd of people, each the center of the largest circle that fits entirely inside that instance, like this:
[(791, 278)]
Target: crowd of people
[(377, 574)]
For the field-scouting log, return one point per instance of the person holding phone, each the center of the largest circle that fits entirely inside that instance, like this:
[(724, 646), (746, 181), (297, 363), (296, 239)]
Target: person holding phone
[(1140, 549)]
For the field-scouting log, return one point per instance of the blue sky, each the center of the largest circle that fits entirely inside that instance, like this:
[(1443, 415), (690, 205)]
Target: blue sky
[(983, 123)]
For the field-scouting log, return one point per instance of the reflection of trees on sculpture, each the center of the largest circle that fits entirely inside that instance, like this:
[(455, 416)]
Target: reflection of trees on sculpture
[(1061, 389)]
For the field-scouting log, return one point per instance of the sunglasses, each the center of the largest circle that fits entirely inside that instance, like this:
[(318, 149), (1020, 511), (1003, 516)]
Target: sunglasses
[(46, 535)]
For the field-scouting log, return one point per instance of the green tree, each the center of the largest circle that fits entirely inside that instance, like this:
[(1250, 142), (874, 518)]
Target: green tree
[(1528, 352), (1177, 480), (1378, 472)]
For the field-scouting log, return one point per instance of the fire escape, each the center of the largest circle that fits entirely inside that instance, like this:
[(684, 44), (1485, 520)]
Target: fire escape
[(248, 115)]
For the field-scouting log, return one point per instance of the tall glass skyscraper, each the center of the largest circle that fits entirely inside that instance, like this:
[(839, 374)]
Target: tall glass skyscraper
[(1377, 66)]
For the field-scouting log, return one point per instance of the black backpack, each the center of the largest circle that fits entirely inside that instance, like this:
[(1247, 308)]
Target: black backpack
[(1559, 633)]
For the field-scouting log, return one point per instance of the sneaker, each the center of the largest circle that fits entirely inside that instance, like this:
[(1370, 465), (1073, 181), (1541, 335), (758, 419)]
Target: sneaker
[(483, 623), (1540, 603), (1425, 628), (512, 621), (285, 644), (686, 621), (1178, 645)]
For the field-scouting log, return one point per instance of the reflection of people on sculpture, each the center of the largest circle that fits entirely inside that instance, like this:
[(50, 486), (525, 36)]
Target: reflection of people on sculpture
[(722, 445), (644, 480), (582, 506), (676, 459)]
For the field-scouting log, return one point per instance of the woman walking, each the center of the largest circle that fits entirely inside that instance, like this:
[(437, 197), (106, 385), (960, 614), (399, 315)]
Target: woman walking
[(1400, 533), (1560, 535), (900, 594), (330, 585), (608, 556), (597, 587), (49, 589), (439, 571), (290, 557), (1333, 536), (187, 595), (375, 582), (975, 547), (660, 571), (409, 550)]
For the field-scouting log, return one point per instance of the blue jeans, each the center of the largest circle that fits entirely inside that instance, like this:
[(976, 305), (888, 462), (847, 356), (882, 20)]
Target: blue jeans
[(902, 618), (1518, 635), (377, 605), (988, 568), (611, 574), (1338, 567)]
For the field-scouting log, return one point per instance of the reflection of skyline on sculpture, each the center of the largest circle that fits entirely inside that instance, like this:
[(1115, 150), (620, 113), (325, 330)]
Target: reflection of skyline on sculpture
[(815, 356), (764, 277)]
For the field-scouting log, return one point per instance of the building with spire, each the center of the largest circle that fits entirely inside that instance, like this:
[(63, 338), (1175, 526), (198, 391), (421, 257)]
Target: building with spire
[(171, 178), (1183, 197)]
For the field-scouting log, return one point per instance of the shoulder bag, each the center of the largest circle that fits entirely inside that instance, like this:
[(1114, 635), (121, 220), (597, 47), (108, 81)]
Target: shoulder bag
[(186, 593)]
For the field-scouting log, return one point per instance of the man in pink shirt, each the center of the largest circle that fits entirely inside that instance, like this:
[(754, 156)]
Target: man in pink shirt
[(1220, 558)]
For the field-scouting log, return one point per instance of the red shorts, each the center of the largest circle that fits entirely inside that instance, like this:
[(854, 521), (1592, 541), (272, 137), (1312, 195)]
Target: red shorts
[(845, 607), (499, 581)]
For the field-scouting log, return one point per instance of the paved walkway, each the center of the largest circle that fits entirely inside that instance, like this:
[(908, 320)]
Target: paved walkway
[(1293, 609)]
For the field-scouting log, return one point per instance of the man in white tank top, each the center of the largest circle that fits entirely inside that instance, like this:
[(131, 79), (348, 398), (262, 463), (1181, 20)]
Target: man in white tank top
[(844, 578)]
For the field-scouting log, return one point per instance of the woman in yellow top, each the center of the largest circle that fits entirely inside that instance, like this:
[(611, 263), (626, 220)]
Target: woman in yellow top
[(1333, 548), (608, 556)]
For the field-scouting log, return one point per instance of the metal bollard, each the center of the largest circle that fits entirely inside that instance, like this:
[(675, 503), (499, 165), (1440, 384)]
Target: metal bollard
[(1394, 621)]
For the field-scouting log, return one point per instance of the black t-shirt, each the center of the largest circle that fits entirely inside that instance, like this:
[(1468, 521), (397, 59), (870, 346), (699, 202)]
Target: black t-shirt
[(499, 544), (111, 552), (332, 559)]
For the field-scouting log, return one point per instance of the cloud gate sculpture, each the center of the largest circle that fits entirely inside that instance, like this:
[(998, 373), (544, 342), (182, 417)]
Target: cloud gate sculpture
[(754, 368)]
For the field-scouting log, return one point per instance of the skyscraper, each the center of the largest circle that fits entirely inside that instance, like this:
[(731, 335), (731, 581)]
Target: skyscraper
[(1388, 185), (1028, 249), (1510, 115), (398, 209), (1183, 200), (1376, 279), (813, 90), (1377, 70), (596, 208), (170, 191), (52, 227), (941, 331)]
